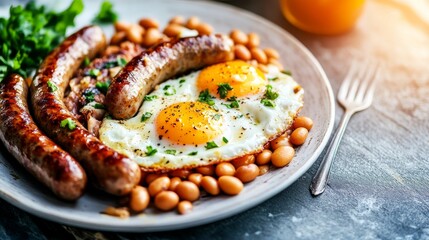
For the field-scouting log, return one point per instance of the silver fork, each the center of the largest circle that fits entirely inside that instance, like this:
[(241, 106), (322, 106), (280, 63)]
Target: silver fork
[(355, 94)]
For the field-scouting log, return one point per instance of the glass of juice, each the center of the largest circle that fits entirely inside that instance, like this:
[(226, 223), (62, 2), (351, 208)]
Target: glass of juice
[(322, 16)]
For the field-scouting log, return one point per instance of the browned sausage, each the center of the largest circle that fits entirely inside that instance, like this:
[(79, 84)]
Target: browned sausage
[(113, 172), (166, 60), (36, 152)]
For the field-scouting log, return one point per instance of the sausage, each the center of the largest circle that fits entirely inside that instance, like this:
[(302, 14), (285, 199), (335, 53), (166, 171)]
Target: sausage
[(160, 63), (39, 155), (113, 172)]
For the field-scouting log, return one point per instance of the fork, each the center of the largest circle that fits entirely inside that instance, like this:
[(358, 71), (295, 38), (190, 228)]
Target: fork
[(354, 95)]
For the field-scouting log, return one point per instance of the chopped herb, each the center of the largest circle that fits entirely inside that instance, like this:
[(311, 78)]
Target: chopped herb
[(192, 153), (273, 79), (223, 89), (217, 116), (30, 33), (287, 72), (270, 94), (233, 104), (106, 14), (182, 80), (86, 61), (89, 96), (52, 87), (93, 72), (121, 61), (99, 106), (150, 97), (169, 90), (146, 116), (170, 151), (103, 86), (69, 123), (267, 102), (211, 145), (118, 62), (150, 151), (205, 97), (225, 140)]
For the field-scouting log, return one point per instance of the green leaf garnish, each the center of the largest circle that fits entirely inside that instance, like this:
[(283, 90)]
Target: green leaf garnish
[(211, 145), (52, 87), (225, 140), (93, 72), (267, 102), (192, 153), (223, 89), (146, 116), (150, 151), (273, 79), (287, 72), (150, 97), (99, 106), (233, 104), (103, 86), (205, 97), (69, 123), (106, 14), (170, 151), (169, 90)]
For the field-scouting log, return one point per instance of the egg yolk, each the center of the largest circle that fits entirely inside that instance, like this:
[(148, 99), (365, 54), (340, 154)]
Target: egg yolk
[(188, 123), (243, 78)]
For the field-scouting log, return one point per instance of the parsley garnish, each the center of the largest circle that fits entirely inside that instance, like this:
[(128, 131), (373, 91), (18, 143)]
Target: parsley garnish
[(150, 151), (192, 153), (273, 79), (103, 86), (287, 72), (225, 140), (52, 87), (93, 72), (118, 62), (269, 96), (150, 97), (99, 106), (267, 102), (86, 61), (170, 151), (89, 96), (223, 89), (30, 33), (233, 104), (205, 97), (211, 145), (182, 80), (169, 90), (106, 14), (146, 116), (69, 123)]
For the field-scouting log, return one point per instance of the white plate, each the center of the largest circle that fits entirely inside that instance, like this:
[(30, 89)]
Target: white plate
[(21, 190)]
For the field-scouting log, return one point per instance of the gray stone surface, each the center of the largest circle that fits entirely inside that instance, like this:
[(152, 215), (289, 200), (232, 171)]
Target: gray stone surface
[(378, 187)]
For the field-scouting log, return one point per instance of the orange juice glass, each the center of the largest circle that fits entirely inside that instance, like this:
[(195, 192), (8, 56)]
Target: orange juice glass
[(322, 16)]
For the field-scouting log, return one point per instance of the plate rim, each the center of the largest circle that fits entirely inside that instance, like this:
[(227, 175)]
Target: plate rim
[(51, 215)]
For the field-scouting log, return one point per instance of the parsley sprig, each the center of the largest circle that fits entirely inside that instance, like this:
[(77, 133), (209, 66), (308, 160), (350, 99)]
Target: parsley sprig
[(223, 89), (205, 97), (269, 96)]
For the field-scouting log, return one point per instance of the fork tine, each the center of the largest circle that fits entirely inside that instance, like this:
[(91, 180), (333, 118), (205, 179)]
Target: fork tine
[(371, 89), (369, 75), (360, 74), (342, 93)]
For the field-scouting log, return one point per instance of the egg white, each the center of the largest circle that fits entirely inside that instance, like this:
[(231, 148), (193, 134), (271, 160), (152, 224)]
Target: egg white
[(246, 128)]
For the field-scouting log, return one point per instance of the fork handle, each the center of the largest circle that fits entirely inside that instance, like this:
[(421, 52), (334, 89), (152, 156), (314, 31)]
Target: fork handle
[(320, 179)]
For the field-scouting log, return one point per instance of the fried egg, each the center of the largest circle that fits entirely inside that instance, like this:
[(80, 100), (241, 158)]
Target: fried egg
[(216, 114)]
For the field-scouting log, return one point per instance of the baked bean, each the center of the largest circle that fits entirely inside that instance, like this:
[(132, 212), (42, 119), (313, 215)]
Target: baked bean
[(158, 185), (254, 40), (259, 55), (276, 63), (121, 26), (206, 170), (263, 68), (298, 136), (177, 20), (148, 23), (152, 176), (135, 34), (282, 140), (118, 37), (187, 190), (210, 185), (225, 169), (192, 22), (272, 53), (173, 183), (184, 207), (195, 178), (241, 52), (166, 200), (244, 160), (282, 156), (173, 30), (239, 37), (263, 169), (263, 157), (181, 173), (139, 198), (204, 29), (304, 122), (230, 185), (247, 173), (152, 37)]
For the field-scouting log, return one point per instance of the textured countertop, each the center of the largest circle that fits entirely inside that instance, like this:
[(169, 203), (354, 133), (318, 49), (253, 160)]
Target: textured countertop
[(379, 184)]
